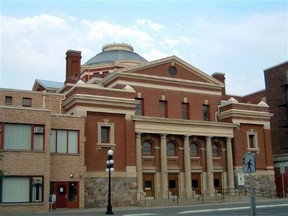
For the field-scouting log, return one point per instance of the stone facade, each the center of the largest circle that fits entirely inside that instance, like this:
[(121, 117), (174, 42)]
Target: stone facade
[(124, 192)]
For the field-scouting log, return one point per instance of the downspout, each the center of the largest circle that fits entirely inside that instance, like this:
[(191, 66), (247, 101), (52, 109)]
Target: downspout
[(44, 94), (61, 100), (216, 113)]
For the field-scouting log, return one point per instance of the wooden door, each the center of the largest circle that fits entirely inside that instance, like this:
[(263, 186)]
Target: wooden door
[(218, 182), (196, 182), (173, 183), (61, 191), (148, 184)]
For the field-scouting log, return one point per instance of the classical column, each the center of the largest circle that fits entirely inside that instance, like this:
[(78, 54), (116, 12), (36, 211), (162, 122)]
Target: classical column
[(209, 161), (229, 163), (139, 164), (164, 177), (187, 166)]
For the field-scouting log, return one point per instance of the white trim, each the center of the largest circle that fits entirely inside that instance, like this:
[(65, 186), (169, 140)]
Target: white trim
[(111, 144), (172, 88)]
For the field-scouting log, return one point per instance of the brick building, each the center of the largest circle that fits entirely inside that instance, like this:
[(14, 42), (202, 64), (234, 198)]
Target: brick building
[(276, 81), (172, 127)]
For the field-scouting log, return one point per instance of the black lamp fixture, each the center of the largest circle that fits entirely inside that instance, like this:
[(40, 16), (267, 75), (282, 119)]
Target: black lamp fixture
[(109, 169)]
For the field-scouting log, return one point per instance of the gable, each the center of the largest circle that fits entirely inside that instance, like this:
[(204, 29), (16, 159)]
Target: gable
[(171, 70)]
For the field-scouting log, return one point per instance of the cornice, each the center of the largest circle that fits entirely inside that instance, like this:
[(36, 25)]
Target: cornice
[(172, 88), (244, 113), (147, 124), (159, 62), (96, 99)]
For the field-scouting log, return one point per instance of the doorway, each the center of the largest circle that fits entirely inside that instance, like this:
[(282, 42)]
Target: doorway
[(218, 182), (196, 182), (173, 183), (67, 194), (148, 184)]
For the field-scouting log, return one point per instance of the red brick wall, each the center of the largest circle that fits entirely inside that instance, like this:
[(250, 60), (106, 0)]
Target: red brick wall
[(274, 79), (125, 149)]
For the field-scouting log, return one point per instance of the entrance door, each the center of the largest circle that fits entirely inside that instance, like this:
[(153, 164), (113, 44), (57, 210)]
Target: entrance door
[(67, 194), (61, 190), (218, 182), (196, 182), (173, 183), (148, 184)]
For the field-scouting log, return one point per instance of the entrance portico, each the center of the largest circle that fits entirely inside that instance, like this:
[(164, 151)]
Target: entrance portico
[(165, 136)]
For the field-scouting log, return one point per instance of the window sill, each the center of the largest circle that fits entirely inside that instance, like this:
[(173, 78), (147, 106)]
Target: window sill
[(172, 157), (65, 154), (22, 204), (194, 157), (256, 150), (148, 157), (22, 150), (105, 145)]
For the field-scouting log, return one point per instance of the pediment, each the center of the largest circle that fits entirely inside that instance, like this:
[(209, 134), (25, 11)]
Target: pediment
[(171, 69)]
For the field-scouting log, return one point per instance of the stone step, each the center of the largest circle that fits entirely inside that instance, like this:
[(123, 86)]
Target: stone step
[(151, 202)]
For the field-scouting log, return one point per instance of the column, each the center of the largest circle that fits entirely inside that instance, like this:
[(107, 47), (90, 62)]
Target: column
[(229, 163), (187, 166), (139, 164), (164, 174), (210, 180)]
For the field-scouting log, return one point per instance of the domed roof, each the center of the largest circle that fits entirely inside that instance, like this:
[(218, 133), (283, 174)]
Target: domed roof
[(116, 52)]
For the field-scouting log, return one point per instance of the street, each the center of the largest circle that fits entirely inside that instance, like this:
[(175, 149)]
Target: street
[(268, 208)]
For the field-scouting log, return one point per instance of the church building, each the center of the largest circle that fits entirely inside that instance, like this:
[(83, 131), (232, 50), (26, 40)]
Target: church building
[(173, 129)]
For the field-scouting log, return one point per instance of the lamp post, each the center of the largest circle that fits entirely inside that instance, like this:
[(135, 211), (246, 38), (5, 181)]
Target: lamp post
[(109, 169)]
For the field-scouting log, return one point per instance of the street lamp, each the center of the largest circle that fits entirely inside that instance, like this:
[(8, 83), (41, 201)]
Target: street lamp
[(109, 169)]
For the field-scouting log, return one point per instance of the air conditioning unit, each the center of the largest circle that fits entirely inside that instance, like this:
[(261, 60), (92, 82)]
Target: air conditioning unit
[(38, 130), (37, 180)]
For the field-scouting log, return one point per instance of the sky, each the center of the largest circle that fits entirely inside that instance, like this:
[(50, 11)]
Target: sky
[(240, 38)]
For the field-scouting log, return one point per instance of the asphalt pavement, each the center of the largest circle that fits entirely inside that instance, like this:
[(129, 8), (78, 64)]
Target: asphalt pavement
[(269, 207)]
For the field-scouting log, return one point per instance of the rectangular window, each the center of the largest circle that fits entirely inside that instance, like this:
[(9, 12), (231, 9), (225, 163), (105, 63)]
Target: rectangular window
[(185, 110), (64, 141), (251, 141), (21, 189), (8, 100), (23, 137), (163, 108), (26, 102), (139, 107), (105, 134), (105, 73), (205, 110)]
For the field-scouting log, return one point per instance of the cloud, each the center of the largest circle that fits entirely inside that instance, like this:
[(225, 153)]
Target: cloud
[(154, 54), (153, 25), (34, 47)]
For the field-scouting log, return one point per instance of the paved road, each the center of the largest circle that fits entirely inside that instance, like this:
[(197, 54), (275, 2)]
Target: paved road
[(272, 208)]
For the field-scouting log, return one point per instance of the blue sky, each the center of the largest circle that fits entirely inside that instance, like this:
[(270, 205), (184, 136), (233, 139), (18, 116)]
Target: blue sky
[(238, 38)]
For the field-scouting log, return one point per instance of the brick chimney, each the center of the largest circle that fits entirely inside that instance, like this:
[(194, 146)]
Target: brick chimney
[(220, 77), (73, 66)]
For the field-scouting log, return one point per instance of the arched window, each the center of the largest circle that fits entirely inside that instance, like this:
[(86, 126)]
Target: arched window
[(214, 150), (171, 149), (193, 150), (146, 151)]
